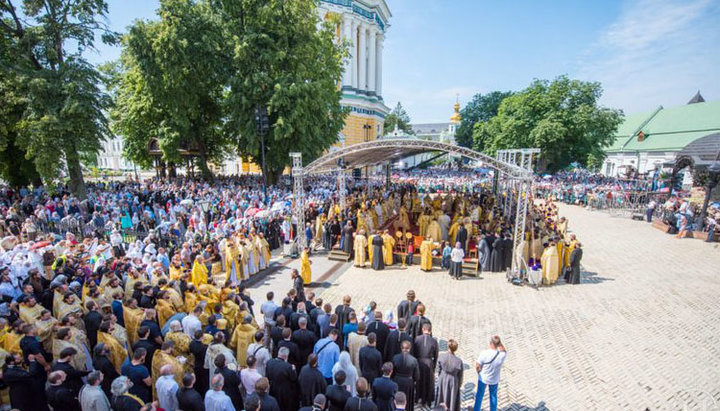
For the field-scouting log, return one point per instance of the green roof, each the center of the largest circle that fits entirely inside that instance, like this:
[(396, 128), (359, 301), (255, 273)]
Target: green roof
[(668, 129)]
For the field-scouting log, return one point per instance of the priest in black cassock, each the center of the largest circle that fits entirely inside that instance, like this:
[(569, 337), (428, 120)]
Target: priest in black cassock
[(497, 255), (283, 381), (508, 251), (462, 236), (484, 255), (406, 308), (407, 373), (311, 381), (417, 322), (377, 261), (395, 340), (348, 238), (425, 351)]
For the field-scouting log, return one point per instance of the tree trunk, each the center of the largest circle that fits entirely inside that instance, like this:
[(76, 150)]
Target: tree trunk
[(273, 176), (77, 183)]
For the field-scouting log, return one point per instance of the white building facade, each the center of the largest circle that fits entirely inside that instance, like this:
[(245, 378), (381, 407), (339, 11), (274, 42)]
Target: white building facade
[(111, 157)]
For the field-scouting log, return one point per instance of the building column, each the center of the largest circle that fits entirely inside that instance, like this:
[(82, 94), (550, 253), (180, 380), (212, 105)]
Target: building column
[(378, 64), (362, 58), (372, 54), (354, 53), (347, 35)]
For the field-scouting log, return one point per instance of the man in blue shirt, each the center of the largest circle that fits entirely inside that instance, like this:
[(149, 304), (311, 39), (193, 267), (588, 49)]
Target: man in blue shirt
[(327, 352)]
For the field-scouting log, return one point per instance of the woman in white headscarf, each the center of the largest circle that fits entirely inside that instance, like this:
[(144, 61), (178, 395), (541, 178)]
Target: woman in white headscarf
[(351, 375)]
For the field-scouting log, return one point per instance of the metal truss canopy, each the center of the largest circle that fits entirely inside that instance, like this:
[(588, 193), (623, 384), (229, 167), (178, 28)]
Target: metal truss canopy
[(388, 151)]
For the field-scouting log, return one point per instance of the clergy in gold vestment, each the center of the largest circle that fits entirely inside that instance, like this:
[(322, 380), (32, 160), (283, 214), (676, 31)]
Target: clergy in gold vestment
[(181, 345), (46, 327), (434, 231), (164, 356), (388, 245), (216, 348), (242, 337), (132, 316), (69, 304), (370, 247), (233, 269), (426, 248), (305, 270), (118, 353), (360, 247), (199, 272), (164, 308), (30, 310), (63, 340), (550, 265)]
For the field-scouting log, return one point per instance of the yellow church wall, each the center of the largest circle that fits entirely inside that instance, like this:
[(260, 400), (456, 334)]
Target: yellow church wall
[(354, 131)]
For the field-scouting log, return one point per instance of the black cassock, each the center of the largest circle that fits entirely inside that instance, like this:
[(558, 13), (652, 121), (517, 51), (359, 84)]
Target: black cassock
[(283, 383), (484, 254), (508, 253), (574, 272), (497, 256), (348, 240), (406, 374), (312, 383), (461, 237), (392, 345), (425, 351), (377, 262), (406, 309)]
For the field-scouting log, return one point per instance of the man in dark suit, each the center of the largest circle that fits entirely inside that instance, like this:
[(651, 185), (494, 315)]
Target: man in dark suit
[(384, 389), (73, 378), (305, 340), (188, 398), (381, 331), (370, 360), (283, 381), (462, 236), (144, 342), (92, 322)]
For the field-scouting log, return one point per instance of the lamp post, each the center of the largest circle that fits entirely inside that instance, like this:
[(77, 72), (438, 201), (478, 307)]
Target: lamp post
[(262, 126), (713, 177)]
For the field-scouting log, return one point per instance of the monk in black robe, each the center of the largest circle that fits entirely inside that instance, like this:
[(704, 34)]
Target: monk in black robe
[(377, 261), (406, 373), (425, 351), (311, 382), (574, 271), (395, 340), (349, 240), (508, 249), (283, 383), (417, 322), (462, 236), (497, 255), (406, 309), (484, 255)]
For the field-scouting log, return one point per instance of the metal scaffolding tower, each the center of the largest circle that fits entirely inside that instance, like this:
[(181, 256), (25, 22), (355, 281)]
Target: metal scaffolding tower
[(342, 191), (299, 198)]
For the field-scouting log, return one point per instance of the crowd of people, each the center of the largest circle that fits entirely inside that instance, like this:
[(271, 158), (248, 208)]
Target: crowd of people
[(135, 299)]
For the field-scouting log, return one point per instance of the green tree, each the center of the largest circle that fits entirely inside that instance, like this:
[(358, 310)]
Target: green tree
[(561, 117), (169, 85), (63, 116), (480, 109), (400, 118), (284, 62)]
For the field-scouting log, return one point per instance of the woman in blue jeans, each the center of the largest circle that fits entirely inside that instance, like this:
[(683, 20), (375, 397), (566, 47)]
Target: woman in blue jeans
[(488, 366)]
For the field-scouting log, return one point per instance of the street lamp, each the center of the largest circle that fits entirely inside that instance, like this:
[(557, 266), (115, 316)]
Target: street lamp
[(262, 126), (712, 181)]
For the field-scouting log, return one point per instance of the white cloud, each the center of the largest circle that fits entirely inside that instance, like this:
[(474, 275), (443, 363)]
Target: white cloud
[(657, 52)]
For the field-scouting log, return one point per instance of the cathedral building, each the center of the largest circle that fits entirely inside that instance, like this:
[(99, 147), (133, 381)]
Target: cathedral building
[(361, 25)]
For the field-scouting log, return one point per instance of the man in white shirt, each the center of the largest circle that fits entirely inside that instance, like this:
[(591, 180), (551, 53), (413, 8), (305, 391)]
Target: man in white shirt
[(167, 389), (260, 352), (191, 323), (488, 365)]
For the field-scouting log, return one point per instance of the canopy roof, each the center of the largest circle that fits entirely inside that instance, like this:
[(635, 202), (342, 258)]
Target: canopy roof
[(392, 150), (702, 151)]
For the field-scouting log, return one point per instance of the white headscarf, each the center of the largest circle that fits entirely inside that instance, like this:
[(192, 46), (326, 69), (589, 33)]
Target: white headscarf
[(351, 374)]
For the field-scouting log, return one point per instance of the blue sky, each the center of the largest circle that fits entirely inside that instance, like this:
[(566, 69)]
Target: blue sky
[(644, 52)]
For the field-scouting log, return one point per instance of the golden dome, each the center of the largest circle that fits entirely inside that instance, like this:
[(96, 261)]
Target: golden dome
[(455, 118)]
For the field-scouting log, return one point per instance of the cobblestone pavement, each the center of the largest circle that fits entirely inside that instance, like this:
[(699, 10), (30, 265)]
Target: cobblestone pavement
[(641, 331)]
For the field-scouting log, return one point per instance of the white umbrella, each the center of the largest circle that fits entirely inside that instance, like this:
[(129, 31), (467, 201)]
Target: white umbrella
[(187, 202)]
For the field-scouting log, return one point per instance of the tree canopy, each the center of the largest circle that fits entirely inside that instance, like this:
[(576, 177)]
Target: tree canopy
[(400, 118), (281, 60), (561, 117), (57, 91), (169, 85), (481, 108)]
